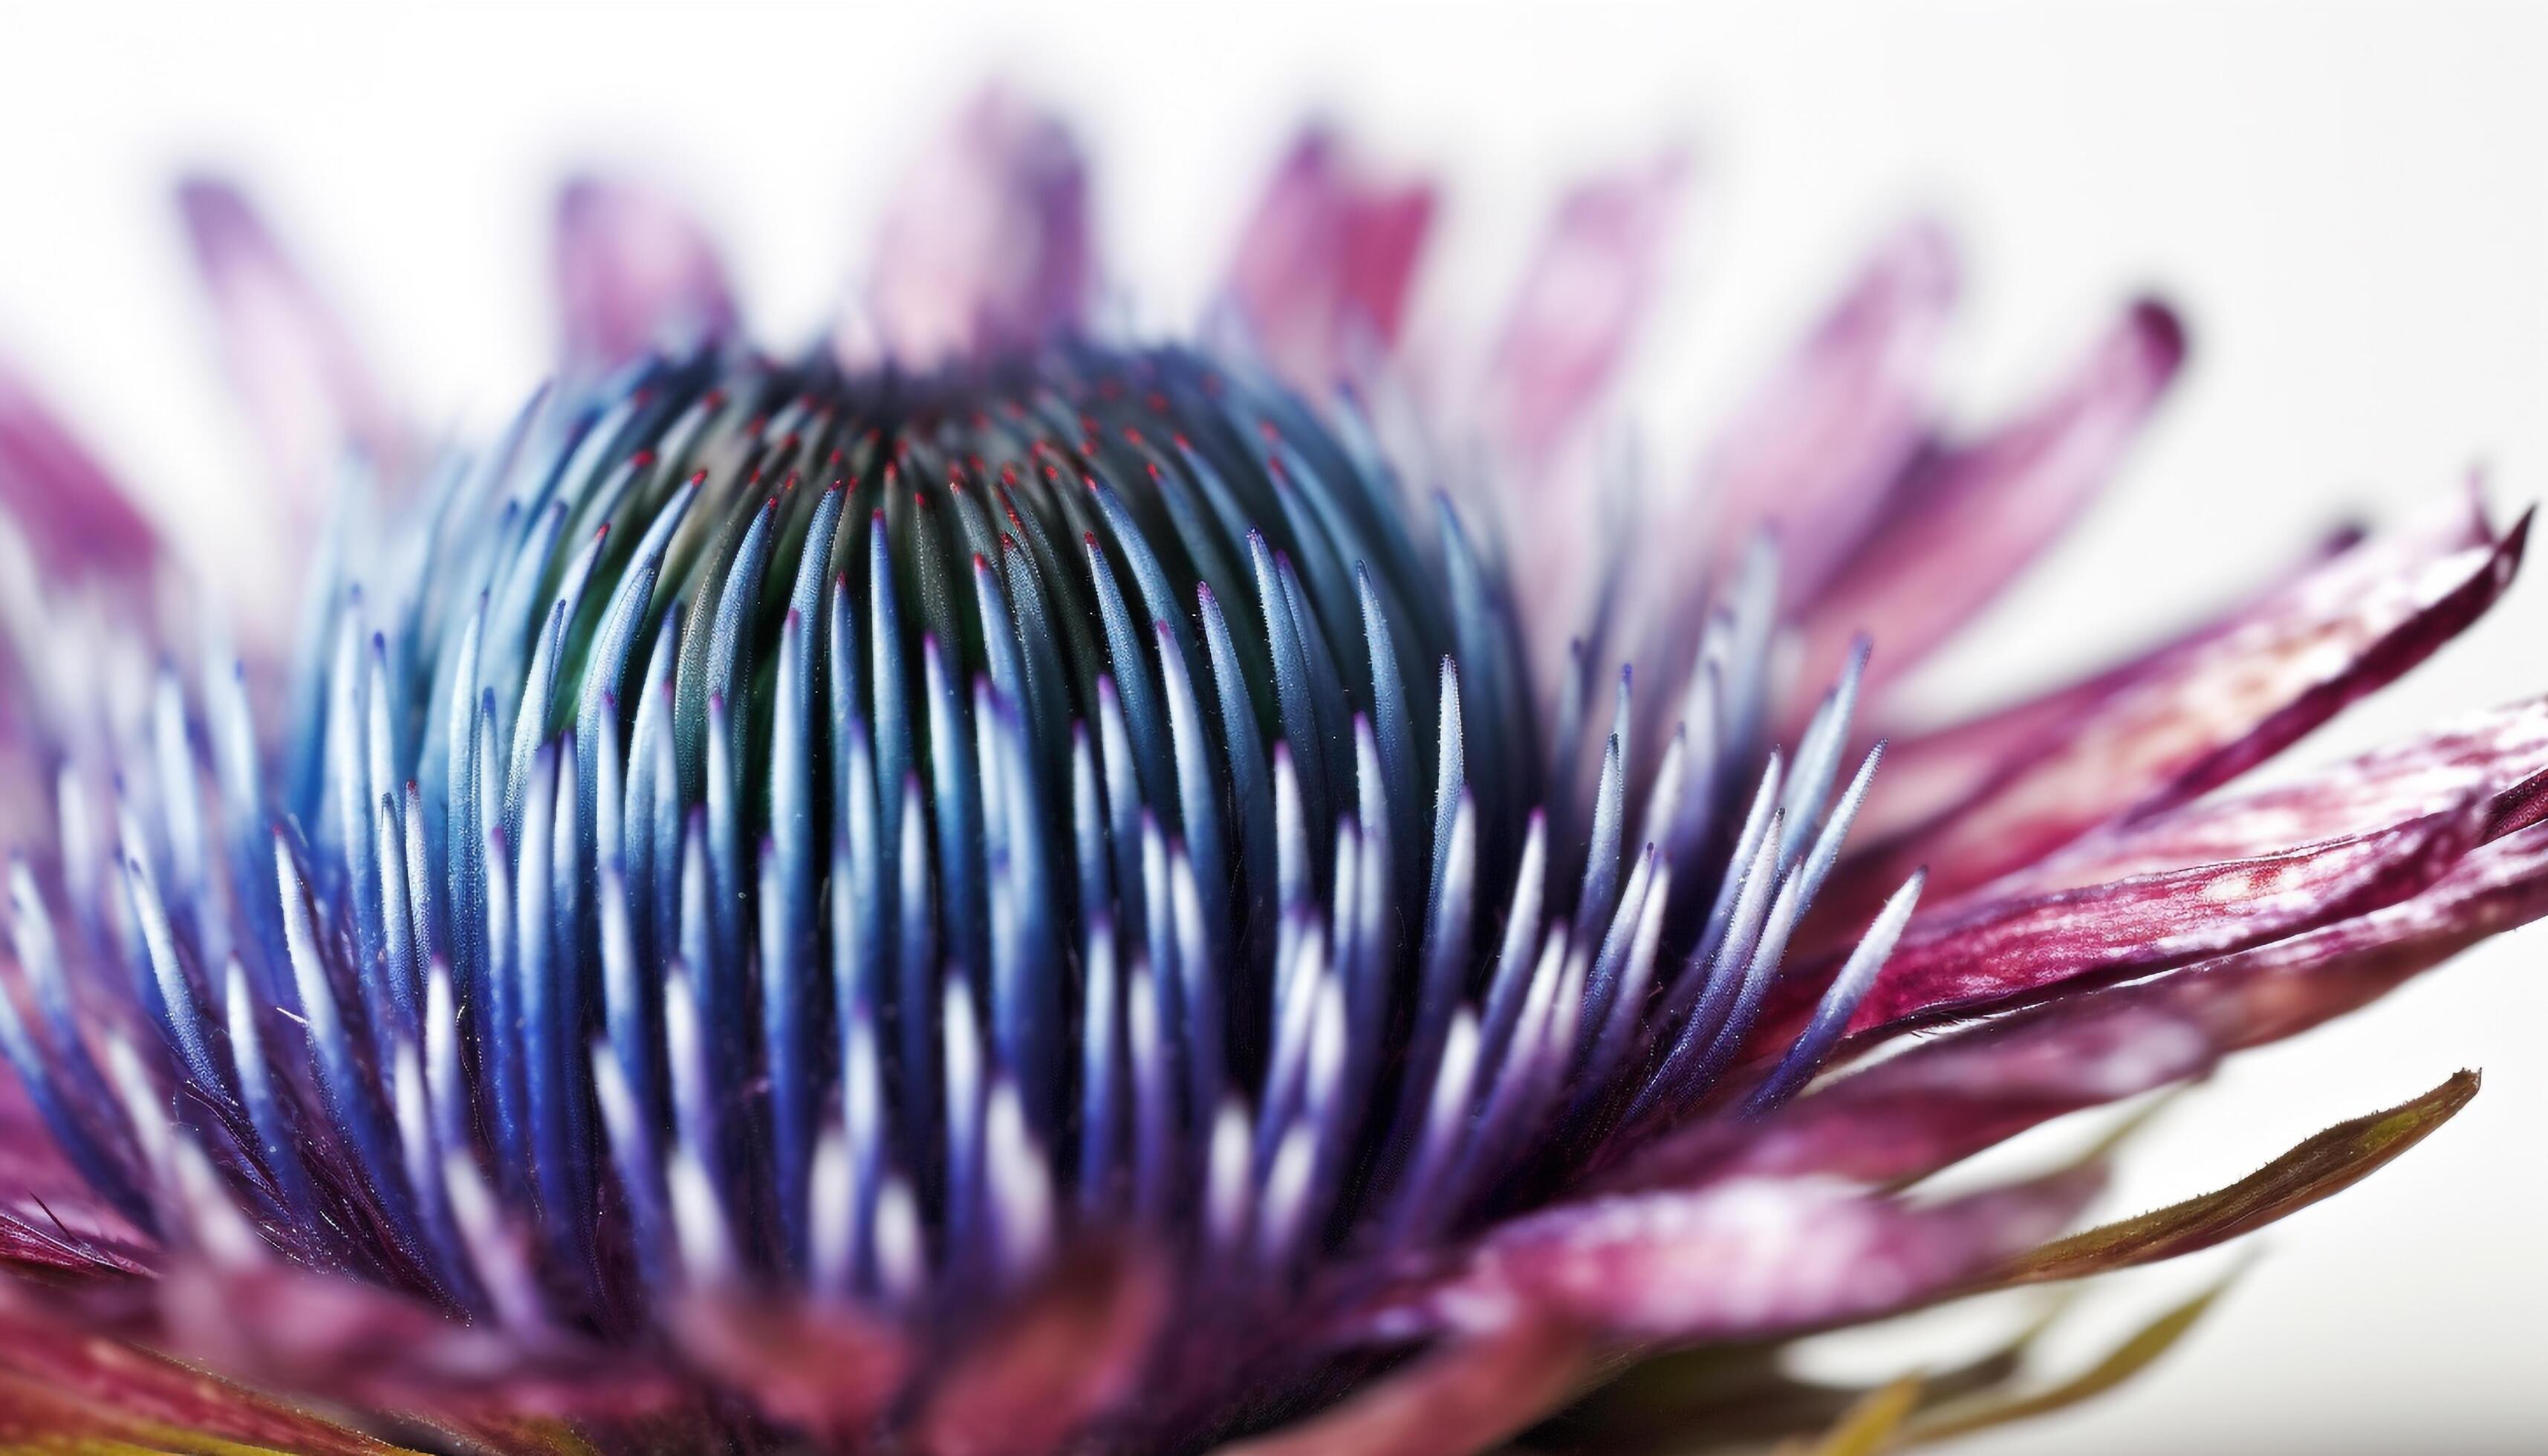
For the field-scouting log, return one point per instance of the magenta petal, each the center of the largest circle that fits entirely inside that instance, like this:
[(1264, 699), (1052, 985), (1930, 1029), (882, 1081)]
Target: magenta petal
[(1467, 1395), (2194, 718), (1928, 771), (1064, 1353), (1943, 1100), (2494, 757), (634, 272), (1579, 305), (307, 389), (76, 520), (1975, 515), (1326, 254), (1994, 951), (1753, 1257), (1816, 453), (988, 245)]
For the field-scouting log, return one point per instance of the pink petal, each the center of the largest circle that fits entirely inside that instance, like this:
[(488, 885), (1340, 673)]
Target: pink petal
[(2487, 756), (1972, 518), (987, 245), (1949, 1098), (1931, 770), (1327, 252), (307, 389), (1065, 1354), (63, 1389), (1467, 1395), (77, 522), (1994, 951), (2195, 717), (634, 272), (1816, 453), (1579, 302), (1752, 1257)]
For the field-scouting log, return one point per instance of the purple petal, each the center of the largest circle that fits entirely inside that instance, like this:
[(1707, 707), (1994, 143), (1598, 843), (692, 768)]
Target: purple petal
[(1579, 305), (1949, 1098), (1749, 1258), (2195, 718), (1467, 1395), (2492, 755), (831, 1373), (1995, 952), (1973, 516), (1928, 771), (61, 1385), (307, 389), (634, 272), (1067, 1352), (1327, 252), (988, 245), (76, 520), (1816, 453)]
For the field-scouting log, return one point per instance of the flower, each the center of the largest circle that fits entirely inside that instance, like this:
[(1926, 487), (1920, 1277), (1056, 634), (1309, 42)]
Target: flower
[(997, 888)]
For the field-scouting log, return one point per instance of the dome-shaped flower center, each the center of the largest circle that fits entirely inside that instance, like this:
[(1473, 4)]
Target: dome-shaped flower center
[(854, 834)]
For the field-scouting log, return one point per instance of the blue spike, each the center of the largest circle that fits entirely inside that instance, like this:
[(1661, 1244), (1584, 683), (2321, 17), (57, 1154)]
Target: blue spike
[(1244, 754), (916, 990), (1130, 668), (959, 816), (783, 1031)]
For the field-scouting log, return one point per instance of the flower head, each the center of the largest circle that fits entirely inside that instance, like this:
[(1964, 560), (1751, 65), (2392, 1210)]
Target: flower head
[(1000, 889)]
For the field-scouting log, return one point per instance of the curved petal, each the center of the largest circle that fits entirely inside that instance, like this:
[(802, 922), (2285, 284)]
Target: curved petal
[(2318, 1168), (308, 391), (634, 272), (59, 1385), (1973, 517), (1062, 1355), (76, 520), (1579, 305), (2198, 717), (1930, 770), (1473, 1390), (1816, 452), (988, 245), (1326, 253), (1754, 1258), (1997, 952), (1945, 1099)]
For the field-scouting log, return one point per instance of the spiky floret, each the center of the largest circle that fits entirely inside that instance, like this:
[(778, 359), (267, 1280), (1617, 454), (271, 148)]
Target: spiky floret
[(856, 835)]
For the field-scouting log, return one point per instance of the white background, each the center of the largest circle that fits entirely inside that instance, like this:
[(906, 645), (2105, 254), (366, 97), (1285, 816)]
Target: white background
[(2349, 203)]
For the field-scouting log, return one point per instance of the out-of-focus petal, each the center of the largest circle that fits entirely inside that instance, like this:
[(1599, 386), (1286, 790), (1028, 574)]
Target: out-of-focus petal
[(75, 520), (2195, 718), (1973, 517), (1752, 1257), (1579, 305), (1943, 1100), (829, 1372), (1814, 454), (1995, 952), (634, 272), (2318, 1168), (1326, 253), (1064, 1354), (308, 391), (62, 1389), (988, 245), (1472, 1391)]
